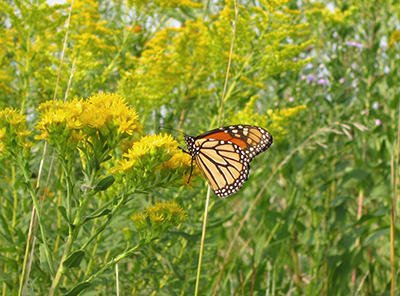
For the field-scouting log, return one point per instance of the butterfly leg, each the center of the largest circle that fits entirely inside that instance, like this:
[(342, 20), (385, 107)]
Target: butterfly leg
[(191, 171), (191, 167), (183, 150)]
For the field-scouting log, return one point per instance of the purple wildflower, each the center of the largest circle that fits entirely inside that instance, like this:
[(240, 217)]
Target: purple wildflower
[(310, 78), (358, 45), (354, 44), (341, 80), (322, 81), (291, 99), (378, 122)]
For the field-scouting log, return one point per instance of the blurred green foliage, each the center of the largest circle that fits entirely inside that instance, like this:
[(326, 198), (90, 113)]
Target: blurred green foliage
[(322, 77)]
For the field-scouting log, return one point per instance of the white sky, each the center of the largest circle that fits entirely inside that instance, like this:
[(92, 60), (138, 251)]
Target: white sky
[(52, 2)]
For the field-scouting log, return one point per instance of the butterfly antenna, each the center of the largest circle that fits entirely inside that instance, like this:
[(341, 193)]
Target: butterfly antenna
[(171, 129), (191, 171)]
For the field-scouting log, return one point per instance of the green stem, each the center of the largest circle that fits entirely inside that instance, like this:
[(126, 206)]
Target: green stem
[(105, 222), (90, 264), (69, 197), (39, 219), (203, 238), (61, 270), (116, 58), (115, 261), (58, 220), (26, 71), (101, 208), (25, 263), (68, 183), (15, 196), (81, 209), (73, 231), (74, 227)]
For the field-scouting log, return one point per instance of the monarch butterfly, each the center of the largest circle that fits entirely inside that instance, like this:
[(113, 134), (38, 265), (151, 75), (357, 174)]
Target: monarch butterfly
[(224, 155)]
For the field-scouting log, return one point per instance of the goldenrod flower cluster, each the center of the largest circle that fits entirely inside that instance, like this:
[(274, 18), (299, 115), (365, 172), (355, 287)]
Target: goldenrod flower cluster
[(162, 216), (281, 118), (180, 163), (154, 161), (101, 121), (188, 60), (320, 13), (168, 3), (13, 135), (394, 37), (276, 120)]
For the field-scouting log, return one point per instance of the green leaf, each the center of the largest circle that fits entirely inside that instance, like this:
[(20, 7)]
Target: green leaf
[(108, 157), (105, 183), (376, 235), (183, 234), (77, 289), (37, 190), (63, 213), (358, 174), (26, 184), (338, 200), (43, 258), (74, 259), (4, 229), (27, 168), (5, 276), (115, 200), (95, 164), (103, 213)]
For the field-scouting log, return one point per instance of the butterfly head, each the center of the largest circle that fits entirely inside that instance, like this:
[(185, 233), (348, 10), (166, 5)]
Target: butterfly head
[(190, 144)]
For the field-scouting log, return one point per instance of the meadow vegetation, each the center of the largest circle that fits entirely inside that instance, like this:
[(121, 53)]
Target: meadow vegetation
[(96, 199)]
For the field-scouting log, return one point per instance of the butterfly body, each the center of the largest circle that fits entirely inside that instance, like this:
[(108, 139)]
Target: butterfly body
[(224, 155)]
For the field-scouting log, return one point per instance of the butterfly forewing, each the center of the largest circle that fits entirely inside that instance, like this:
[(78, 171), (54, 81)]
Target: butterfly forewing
[(224, 155)]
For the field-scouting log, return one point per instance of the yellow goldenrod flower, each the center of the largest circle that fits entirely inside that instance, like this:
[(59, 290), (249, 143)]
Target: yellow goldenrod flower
[(394, 37), (161, 217), (13, 134), (157, 148), (125, 144), (156, 218), (275, 121), (101, 119), (139, 220), (124, 166), (2, 133), (169, 3), (155, 159), (179, 159)]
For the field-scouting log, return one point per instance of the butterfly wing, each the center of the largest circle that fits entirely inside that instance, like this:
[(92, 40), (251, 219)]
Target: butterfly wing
[(224, 155), (250, 138)]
